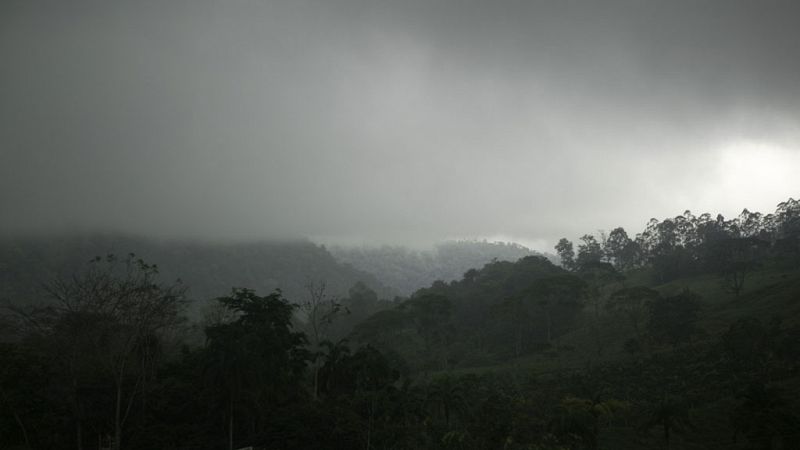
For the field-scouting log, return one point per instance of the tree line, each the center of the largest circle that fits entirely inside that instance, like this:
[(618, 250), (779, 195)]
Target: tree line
[(515, 355), (687, 245)]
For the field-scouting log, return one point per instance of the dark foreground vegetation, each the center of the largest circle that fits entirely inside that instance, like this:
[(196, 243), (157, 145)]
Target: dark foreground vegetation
[(685, 337)]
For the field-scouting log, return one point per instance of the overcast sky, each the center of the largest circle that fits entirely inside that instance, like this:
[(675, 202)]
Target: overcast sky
[(397, 122)]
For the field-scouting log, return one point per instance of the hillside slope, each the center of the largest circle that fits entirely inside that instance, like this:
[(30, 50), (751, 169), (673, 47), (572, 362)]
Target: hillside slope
[(407, 270), (209, 270)]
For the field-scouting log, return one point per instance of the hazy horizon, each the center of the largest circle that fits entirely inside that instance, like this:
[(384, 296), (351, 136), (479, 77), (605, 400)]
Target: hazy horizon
[(393, 122)]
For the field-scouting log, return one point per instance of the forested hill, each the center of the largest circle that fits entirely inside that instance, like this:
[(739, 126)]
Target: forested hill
[(610, 286), (501, 311), (407, 270), (685, 337), (209, 270)]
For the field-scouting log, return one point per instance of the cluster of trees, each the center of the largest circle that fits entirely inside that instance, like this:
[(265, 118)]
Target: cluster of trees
[(503, 310), (249, 385), (688, 245), (508, 310), (514, 355), (108, 363), (95, 348)]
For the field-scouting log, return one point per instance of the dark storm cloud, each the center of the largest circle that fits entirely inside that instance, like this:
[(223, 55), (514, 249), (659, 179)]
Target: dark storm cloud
[(394, 121)]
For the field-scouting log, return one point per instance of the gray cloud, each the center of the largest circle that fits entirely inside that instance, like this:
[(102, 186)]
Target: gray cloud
[(392, 121)]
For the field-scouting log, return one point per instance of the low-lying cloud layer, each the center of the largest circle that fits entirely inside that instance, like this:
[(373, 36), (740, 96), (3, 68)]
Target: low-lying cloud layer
[(393, 122)]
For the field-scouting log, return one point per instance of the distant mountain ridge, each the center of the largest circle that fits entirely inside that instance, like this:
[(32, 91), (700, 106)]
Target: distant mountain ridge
[(407, 270), (209, 270)]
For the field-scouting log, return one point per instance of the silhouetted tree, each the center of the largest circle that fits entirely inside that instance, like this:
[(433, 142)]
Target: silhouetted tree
[(256, 356), (589, 251), (566, 252), (735, 259), (105, 323), (319, 312), (620, 249)]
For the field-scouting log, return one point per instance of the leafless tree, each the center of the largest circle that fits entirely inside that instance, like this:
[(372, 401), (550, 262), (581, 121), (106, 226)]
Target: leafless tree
[(107, 321), (319, 311)]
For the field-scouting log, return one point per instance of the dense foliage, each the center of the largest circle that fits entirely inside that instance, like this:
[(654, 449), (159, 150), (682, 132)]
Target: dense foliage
[(689, 245), (685, 337)]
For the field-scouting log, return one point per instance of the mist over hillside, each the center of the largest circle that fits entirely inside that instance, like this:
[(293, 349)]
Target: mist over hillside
[(210, 270), (239, 225), (624, 330), (407, 270)]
